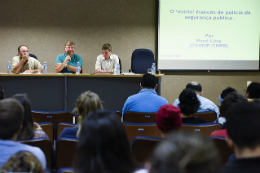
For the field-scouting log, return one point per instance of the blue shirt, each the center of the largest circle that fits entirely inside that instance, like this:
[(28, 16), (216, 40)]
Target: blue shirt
[(8, 148), (205, 105), (146, 100), (73, 62)]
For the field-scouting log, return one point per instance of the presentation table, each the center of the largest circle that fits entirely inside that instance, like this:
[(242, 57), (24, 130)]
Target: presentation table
[(59, 92)]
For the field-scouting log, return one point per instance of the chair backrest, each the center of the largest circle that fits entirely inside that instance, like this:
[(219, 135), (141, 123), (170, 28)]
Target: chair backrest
[(118, 113), (65, 170), (209, 117), (32, 55), (61, 126), (54, 117), (142, 59), (47, 127), (203, 128), (138, 117), (224, 151), (143, 147), (45, 145), (141, 129), (65, 152)]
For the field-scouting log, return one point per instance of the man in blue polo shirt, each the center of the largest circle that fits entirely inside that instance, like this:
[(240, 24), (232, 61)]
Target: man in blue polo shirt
[(67, 62), (147, 99)]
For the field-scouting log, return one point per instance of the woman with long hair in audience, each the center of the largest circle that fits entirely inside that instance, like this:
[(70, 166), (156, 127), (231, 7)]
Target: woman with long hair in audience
[(103, 145), (30, 129), (189, 104), (86, 102)]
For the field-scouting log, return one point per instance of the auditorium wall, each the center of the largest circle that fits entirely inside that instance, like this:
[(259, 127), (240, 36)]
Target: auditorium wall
[(45, 26)]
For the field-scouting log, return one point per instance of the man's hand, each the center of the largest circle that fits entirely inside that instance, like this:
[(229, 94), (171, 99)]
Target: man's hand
[(98, 71), (30, 71), (67, 59), (25, 57)]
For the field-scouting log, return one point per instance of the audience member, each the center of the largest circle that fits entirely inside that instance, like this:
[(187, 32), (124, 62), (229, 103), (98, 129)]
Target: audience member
[(147, 99), (243, 136), (11, 119), (67, 61), (30, 129), (168, 118), (2, 95), (228, 101), (224, 93), (189, 104), (23, 63), (205, 104), (106, 62), (86, 102), (22, 161), (253, 91), (103, 145), (187, 152)]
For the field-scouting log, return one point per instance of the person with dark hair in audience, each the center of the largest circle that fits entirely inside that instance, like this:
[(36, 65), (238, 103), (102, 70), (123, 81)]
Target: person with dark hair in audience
[(253, 92), (228, 101), (2, 95), (205, 104), (103, 145), (11, 119), (30, 129), (168, 119), (86, 102), (243, 136), (22, 161), (189, 104), (224, 93), (184, 152), (147, 99)]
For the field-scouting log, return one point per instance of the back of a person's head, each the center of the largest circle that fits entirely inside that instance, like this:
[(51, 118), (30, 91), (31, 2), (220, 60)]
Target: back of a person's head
[(226, 91), (253, 90), (168, 118), (11, 118), (189, 103), (185, 152), (22, 161), (229, 100), (2, 95), (148, 81), (194, 86), (103, 145), (27, 131), (243, 124)]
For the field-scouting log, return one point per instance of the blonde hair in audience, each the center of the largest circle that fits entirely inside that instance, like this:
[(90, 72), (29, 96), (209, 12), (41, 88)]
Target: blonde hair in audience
[(22, 161), (87, 102)]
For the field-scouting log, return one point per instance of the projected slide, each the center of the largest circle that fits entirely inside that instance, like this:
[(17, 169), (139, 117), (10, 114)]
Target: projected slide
[(208, 34)]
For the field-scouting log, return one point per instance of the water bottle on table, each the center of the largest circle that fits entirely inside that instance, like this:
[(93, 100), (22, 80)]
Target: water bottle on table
[(44, 71), (153, 69), (78, 68), (118, 69), (9, 67)]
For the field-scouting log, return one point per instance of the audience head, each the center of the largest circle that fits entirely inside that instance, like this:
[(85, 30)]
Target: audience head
[(148, 81), (103, 147), (253, 91), (195, 86), (168, 118), (243, 125), (2, 95), (27, 132), (11, 118), (23, 161), (224, 93), (187, 152), (189, 103), (87, 102), (229, 100)]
